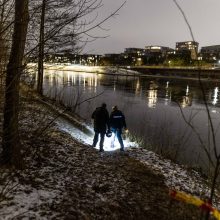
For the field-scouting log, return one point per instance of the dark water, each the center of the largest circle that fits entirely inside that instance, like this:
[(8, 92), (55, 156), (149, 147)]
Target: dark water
[(150, 106)]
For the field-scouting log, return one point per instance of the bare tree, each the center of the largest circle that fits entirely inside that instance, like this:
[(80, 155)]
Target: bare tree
[(61, 25), (41, 50), (6, 17), (59, 31), (10, 141), (215, 162)]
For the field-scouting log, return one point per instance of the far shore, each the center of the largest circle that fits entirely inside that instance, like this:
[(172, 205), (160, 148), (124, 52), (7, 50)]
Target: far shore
[(185, 73)]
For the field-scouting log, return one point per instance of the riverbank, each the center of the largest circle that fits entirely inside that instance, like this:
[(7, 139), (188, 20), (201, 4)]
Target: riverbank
[(185, 73), (65, 179), (193, 73), (108, 70)]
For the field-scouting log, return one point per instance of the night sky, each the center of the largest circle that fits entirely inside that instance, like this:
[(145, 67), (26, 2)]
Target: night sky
[(142, 23)]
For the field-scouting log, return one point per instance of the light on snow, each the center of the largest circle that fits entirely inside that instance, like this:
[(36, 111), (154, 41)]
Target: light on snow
[(110, 143)]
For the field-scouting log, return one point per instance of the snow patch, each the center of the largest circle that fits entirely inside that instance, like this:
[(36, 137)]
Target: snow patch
[(110, 144)]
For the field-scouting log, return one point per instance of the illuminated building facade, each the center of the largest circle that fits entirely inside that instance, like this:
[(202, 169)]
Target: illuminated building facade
[(210, 53), (137, 51), (159, 49), (83, 59), (156, 55), (191, 46), (134, 55)]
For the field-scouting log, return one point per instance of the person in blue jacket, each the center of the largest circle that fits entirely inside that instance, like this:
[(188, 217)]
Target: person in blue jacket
[(117, 123), (101, 123)]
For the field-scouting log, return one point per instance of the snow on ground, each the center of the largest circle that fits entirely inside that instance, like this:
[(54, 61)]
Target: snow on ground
[(43, 187), (110, 144), (176, 176)]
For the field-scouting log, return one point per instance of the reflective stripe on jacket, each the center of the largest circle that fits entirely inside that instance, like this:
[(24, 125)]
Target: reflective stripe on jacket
[(117, 120)]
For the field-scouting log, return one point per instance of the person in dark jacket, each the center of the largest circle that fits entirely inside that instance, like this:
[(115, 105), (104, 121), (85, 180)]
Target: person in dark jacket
[(101, 122), (117, 123)]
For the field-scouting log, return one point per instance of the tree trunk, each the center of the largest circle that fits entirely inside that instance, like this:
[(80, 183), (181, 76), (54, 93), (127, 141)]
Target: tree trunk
[(10, 141), (41, 51), (3, 49)]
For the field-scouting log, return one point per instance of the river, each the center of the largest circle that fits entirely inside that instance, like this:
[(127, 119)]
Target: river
[(150, 106)]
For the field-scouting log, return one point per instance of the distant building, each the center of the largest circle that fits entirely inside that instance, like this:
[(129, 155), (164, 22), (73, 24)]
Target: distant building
[(84, 59), (89, 59), (192, 46), (210, 53), (111, 59), (112, 55), (163, 51), (135, 51), (57, 58), (134, 56)]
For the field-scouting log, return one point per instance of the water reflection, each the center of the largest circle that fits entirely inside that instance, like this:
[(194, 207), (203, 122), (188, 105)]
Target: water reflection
[(152, 95), (187, 99), (149, 105), (56, 82), (215, 96), (168, 96), (67, 78), (138, 87)]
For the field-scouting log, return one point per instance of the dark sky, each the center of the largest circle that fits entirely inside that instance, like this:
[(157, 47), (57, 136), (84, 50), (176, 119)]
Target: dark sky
[(156, 22)]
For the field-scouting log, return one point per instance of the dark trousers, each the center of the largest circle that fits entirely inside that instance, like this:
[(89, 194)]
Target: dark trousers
[(118, 132), (96, 139)]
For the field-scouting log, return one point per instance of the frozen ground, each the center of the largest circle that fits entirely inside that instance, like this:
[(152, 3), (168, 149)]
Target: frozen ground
[(176, 176), (65, 178)]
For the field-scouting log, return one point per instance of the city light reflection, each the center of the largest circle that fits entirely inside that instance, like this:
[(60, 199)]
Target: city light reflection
[(152, 95), (167, 94), (138, 87), (215, 96), (187, 99), (187, 90)]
